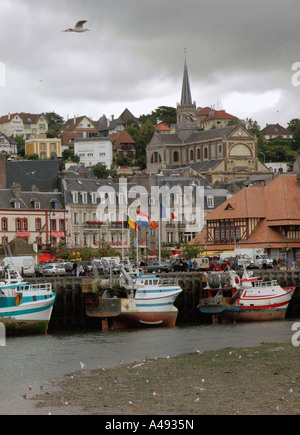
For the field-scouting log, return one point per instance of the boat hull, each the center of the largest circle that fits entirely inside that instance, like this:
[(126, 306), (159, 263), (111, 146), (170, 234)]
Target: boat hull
[(28, 317), (146, 319)]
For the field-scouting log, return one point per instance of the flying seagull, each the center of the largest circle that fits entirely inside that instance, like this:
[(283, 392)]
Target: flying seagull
[(78, 27)]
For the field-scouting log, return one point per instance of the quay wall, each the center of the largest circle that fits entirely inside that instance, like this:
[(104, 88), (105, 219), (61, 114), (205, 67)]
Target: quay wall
[(69, 308)]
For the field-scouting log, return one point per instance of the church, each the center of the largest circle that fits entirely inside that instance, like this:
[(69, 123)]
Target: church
[(219, 154)]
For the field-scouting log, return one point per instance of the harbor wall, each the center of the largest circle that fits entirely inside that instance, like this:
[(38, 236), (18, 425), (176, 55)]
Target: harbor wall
[(69, 308)]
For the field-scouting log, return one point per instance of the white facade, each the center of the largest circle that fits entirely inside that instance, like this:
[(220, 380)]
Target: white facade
[(94, 150)]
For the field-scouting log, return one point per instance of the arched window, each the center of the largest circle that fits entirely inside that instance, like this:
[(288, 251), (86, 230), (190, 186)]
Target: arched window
[(205, 153), (175, 156), (198, 154), (156, 157), (191, 155)]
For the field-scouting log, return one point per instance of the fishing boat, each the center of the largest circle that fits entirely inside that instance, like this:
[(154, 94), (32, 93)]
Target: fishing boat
[(134, 301), (25, 308), (230, 298)]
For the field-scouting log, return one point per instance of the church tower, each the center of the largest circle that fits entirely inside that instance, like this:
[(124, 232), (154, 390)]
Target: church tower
[(186, 110)]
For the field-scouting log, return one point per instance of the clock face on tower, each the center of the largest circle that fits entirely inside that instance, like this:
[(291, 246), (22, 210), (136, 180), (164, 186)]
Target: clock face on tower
[(240, 132)]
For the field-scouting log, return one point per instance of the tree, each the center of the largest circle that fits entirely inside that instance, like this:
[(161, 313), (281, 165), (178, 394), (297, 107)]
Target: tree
[(101, 171), (68, 154), (191, 251), (55, 121)]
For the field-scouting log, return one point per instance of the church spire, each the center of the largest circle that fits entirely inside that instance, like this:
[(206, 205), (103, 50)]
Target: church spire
[(186, 96)]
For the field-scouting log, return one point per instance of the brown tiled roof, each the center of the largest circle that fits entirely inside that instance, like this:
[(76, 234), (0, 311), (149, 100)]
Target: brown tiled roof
[(275, 129), (204, 111), (162, 127), (70, 125), (219, 114), (276, 204), (121, 138)]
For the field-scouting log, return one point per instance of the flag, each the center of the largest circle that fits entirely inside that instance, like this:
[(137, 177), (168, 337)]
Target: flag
[(132, 224), (153, 224), (173, 216), (163, 211), (143, 219)]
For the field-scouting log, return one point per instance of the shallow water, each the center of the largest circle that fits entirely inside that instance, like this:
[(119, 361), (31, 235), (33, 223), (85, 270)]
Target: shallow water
[(29, 364)]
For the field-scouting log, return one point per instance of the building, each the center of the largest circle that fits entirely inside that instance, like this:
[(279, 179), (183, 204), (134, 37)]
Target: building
[(123, 145), (23, 124), (82, 125), (94, 150), (258, 217), (8, 146), (45, 148), (36, 217), (271, 131), (217, 119), (88, 229), (220, 153)]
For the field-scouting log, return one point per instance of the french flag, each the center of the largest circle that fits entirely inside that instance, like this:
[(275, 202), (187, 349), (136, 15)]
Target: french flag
[(143, 220)]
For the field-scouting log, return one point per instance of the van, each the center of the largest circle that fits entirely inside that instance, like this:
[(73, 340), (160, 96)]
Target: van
[(23, 264), (202, 263)]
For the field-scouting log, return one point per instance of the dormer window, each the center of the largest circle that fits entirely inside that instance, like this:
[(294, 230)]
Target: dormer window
[(93, 197), (210, 201), (36, 203), (75, 197), (84, 197)]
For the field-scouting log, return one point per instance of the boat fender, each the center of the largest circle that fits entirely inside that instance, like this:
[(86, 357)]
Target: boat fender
[(18, 299)]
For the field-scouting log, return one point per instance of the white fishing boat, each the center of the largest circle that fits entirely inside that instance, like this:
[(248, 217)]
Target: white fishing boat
[(25, 308), (246, 299), (134, 301)]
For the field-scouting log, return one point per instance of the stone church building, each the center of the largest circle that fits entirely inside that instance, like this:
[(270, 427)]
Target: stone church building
[(220, 154)]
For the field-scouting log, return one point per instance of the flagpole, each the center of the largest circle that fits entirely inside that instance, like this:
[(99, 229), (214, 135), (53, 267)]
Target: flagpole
[(123, 239), (137, 244), (159, 234)]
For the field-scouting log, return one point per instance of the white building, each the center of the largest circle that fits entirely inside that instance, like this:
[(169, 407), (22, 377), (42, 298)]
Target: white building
[(94, 150)]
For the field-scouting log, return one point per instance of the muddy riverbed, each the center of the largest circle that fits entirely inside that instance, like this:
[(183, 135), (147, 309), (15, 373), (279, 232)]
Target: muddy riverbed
[(254, 381)]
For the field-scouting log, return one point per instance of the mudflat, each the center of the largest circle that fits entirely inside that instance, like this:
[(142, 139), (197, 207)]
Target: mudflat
[(259, 380)]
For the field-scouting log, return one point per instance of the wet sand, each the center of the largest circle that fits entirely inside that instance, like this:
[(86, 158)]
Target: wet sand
[(258, 380)]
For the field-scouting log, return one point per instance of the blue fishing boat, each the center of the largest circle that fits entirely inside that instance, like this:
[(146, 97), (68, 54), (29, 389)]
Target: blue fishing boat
[(25, 308)]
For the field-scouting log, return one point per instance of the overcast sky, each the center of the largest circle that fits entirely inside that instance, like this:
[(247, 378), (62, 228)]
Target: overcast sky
[(239, 55)]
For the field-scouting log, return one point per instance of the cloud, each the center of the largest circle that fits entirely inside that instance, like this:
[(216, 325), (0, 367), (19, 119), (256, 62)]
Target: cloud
[(239, 53)]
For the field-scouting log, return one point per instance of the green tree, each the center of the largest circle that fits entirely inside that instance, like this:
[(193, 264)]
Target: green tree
[(68, 154), (191, 251), (55, 121)]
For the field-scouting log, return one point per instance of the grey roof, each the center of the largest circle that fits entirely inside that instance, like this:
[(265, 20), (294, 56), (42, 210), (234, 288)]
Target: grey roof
[(206, 165), (9, 139), (41, 173), (214, 133), (47, 200), (171, 138)]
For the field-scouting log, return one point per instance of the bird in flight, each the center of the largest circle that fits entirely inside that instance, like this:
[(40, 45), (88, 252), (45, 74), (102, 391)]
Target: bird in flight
[(78, 27)]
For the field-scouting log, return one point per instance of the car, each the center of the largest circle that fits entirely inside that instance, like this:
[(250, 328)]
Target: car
[(158, 266), (53, 269), (177, 266)]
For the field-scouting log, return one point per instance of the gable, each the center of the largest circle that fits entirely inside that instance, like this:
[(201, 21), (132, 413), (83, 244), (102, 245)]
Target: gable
[(241, 133)]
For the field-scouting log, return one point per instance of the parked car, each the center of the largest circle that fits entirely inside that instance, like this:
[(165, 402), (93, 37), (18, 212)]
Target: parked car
[(177, 266), (53, 269), (68, 267), (158, 266)]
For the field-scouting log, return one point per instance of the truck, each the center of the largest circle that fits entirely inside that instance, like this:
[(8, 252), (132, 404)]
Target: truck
[(22, 264), (260, 258)]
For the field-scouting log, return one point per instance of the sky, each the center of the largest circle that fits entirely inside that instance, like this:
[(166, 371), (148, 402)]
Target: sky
[(240, 56)]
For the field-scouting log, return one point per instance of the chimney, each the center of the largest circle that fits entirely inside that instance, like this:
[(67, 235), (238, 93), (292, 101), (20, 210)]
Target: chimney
[(3, 164), (17, 189), (74, 119), (112, 117), (8, 116)]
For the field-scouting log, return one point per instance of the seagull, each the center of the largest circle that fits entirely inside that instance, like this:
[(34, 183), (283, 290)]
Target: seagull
[(82, 365), (78, 27)]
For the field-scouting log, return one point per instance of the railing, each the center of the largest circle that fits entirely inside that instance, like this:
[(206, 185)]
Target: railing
[(36, 287), (264, 283)]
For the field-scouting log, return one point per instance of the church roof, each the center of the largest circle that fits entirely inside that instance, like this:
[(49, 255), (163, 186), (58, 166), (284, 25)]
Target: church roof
[(186, 96)]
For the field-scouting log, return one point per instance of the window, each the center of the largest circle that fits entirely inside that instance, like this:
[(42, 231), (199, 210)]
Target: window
[(75, 197), (4, 226), (210, 202), (85, 217), (37, 205), (205, 153), (38, 224), (18, 224), (84, 197), (93, 197), (4, 240), (198, 154), (176, 156)]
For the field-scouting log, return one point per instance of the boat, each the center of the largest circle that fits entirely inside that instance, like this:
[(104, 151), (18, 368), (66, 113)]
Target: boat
[(25, 308), (132, 301), (230, 298)]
